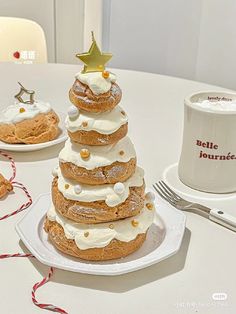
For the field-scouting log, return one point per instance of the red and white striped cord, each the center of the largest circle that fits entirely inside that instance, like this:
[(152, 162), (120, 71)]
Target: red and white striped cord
[(3, 256), (23, 206), (49, 307), (44, 306), (13, 165), (16, 185)]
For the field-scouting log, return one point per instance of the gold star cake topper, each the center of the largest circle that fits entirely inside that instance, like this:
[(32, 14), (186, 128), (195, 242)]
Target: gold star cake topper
[(23, 91), (94, 59)]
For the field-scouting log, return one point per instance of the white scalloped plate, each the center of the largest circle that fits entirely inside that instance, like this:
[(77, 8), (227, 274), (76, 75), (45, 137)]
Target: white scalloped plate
[(163, 240), (32, 147)]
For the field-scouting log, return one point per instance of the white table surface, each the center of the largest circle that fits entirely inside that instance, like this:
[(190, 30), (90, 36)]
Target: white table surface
[(183, 283)]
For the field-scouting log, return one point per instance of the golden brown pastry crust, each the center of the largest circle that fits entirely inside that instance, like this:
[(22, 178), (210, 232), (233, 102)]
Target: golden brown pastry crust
[(82, 97), (42, 128), (115, 249), (97, 139), (5, 186), (116, 172), (98, 211)]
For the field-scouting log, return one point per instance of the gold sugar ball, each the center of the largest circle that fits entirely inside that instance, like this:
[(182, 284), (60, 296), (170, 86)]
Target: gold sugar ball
[(86, 234), (84, 153), (85, 124), (67, 186), (121, 152), (105, 74), (134, 223), (123, 113), (149, 206), (22, 110), (111, 226)]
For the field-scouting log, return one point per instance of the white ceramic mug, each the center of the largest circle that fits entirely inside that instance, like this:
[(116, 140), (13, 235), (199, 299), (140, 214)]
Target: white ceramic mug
[(208, 157)]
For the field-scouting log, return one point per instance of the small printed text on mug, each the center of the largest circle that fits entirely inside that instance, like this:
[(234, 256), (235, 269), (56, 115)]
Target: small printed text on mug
[(216, 98), (213, 147)]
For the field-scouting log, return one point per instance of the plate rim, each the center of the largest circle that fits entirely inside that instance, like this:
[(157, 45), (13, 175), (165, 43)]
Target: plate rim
[(99, 269)]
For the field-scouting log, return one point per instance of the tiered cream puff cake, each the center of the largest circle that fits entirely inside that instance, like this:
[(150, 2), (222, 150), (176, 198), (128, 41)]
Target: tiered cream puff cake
[(100, 210)]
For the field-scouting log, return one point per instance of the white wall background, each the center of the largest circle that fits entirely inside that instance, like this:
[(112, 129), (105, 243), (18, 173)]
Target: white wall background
[(216, 61), (194, 39), (41, 12), (61, 20)]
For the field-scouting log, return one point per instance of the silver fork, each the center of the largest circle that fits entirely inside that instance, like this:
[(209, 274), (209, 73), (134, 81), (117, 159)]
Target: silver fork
[(178, 202)]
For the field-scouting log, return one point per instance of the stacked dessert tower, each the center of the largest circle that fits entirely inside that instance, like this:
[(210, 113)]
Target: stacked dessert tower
[(100, 210)]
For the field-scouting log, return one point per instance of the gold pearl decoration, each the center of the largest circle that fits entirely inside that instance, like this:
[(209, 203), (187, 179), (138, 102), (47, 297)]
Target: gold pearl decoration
[(111, 226), (67, 186), (85, 124), (84, 153), (86, 234), (149, 206), (22, 110), (121, 153), (105, 74), (134, 223)]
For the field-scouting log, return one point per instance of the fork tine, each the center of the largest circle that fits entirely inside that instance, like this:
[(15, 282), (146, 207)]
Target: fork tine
[(171, 195), (162, 191), (171, 191), (161, 195), (166, 193), (156, 187)]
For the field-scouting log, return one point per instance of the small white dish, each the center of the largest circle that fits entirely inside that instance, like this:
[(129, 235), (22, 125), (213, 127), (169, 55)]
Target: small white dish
[(171, 177), (32, 147), (163, 240), (217, 202)]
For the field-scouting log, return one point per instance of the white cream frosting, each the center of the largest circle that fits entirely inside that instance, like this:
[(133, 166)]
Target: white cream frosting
[(99, 155), (13, 115), (104, 123), (100, 235), (91, 193), (96, 82)]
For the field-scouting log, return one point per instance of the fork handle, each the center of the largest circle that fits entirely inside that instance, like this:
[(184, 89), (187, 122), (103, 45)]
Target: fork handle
[(222, 218)]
